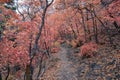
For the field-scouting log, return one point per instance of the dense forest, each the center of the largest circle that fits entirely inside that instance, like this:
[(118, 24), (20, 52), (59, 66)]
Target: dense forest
[(59, 39)]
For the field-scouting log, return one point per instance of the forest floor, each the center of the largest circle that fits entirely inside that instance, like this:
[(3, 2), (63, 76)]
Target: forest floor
[(67, 65)]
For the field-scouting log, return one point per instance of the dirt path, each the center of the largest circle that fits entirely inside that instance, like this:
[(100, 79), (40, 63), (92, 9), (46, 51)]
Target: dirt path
[(61, 68), (66, 70)]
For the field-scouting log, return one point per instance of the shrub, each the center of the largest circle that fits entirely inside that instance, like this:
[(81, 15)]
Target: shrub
[(88, 49)]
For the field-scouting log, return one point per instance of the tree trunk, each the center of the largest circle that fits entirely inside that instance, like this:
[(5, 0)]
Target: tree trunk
[(0, 75), (8, 72), (83, 24), (103, 25), (107, 30), (94, 26), (116, 26), (27, 73)]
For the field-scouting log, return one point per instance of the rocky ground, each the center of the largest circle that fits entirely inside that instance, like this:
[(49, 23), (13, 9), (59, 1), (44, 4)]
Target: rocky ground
[(67, 65)]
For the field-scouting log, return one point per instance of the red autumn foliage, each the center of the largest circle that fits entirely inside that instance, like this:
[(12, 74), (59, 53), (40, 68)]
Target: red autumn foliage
[(88, 49), (65, 24), (54, 50), (5, 1)]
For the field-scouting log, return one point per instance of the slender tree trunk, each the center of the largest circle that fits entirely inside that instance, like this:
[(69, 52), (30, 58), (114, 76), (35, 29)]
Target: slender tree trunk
[(94, 25), (40, 67), (0, 75), (27, 73), (87, 27), (8, 72), (77, 29), (83, 24), (116, 26), (89, 33), (96, 33), (107, 30), (74, 33), (29, 68)]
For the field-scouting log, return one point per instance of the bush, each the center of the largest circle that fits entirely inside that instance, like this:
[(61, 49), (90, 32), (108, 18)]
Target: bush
[(88, 49)]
